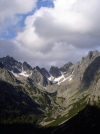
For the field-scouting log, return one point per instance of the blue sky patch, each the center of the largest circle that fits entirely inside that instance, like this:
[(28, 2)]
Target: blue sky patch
[(45, 3), (11, 32)]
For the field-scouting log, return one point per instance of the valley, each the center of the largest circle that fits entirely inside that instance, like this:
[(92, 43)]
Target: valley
[(35, 100)]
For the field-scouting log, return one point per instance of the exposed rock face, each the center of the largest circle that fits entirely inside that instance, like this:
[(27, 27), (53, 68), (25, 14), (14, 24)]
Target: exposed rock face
[(41, 75), (37, 77), (11, 64), (26, 67), (89, 58), (61, 101), (66, 67), (90, 72), (54, 71), (45, 72), (38, 68), (1, 65), (7, 76), (82, 76)]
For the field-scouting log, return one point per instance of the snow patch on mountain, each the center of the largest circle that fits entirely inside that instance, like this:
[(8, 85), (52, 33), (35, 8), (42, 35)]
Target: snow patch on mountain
[(23, 73), (60, 79), (51, 78), (70, 79), (67, 78)]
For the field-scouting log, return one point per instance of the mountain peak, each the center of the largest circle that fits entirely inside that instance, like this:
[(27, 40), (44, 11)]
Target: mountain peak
[(9, 57), (11, 64), (45, 72), (26, 67), (37, 68), (54, 71), (66, 67), (94, 53)]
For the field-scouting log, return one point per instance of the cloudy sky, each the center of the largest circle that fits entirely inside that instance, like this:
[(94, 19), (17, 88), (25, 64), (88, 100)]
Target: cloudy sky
[(49, 32)]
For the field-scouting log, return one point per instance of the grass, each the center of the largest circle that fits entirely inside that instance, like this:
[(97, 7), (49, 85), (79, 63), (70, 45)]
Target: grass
[(49, 119), (77, 106)]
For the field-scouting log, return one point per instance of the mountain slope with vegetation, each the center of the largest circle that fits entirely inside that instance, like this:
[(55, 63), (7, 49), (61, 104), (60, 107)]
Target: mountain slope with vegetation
[(51, 103)]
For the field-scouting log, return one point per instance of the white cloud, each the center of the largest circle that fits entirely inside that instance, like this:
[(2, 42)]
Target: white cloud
[(60, 34), (10, 8), (59, 54), (69, 21)]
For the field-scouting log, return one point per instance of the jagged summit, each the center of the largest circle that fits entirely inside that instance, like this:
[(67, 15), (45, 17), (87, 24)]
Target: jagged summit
[(26, 67), (54, 71), (11, 64), (55, 75), (90, 57), (91, 73), (45, 72), (39, 78), (66, 67), (19, 69), (92, 54), (50, 99)]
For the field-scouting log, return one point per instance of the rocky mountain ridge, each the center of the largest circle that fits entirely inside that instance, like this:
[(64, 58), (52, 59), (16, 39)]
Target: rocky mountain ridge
[(47, 99), (38, 75)]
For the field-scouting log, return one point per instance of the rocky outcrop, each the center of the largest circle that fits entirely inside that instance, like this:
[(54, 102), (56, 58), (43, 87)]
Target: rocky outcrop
[(38, 68), (54, 71), (7, 76), (90, 72), (26, 67), (66, 67), (11, 64), (89, 58), (45, 72), (38, 77), (37, 74)]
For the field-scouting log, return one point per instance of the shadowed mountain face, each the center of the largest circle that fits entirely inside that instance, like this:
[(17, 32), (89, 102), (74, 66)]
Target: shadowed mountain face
[(90, 72), (11, 64), (38, 77), (85, 122), (45, 72), (66, 67), (13, 98), (26, 67), (31, 103), (54, 71)]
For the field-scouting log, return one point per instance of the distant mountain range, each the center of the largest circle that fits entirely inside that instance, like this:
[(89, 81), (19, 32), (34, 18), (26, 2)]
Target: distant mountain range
[(32, 95), (38, 75)]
